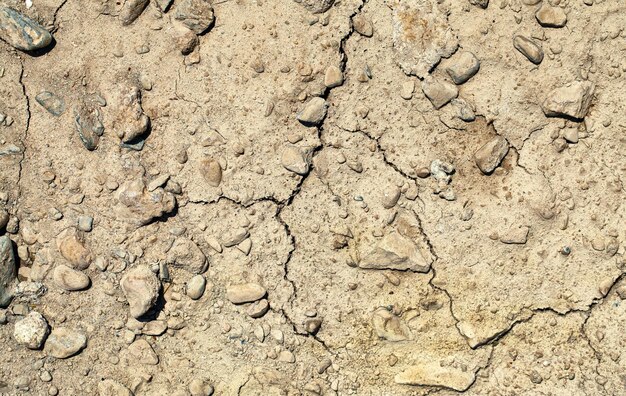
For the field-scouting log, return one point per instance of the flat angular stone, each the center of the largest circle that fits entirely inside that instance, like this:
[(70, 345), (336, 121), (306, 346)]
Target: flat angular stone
[(197, 15), (63, 343), (516, 235), (549, 16), (294, 161), (141, 351), (463, 67), (439, 92), (489, 156), (313, 112), (572, 100), (433, 374), (21, 32), (54, 104), (396, 252)]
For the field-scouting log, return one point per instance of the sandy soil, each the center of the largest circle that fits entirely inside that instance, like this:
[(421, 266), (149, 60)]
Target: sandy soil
[(312, 197)]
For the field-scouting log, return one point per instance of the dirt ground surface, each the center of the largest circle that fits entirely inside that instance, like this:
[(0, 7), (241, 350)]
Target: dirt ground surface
[(312, 197)]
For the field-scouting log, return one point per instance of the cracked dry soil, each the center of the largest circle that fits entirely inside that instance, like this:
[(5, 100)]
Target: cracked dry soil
[(312, 197)]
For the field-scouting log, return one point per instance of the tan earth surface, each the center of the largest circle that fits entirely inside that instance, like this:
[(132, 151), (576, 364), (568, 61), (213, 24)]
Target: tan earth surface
[(312, 197)]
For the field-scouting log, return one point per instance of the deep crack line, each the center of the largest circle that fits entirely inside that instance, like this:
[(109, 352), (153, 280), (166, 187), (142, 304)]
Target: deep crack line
[(25, 136)]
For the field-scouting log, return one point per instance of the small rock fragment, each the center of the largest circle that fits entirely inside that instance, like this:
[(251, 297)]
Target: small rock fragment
[(31, 331), (391, 197), (212, 171), (197, 15), (131, 124), (187, 255), (85, 223), (480, 3), (390, 327), (197, 387), (313, 112), (158, 181), (69, 279), (141, 288), (407, 89), (433, 374), (54, 104), (71, 245), (527, 47), (439, 92), (164, 5), (131, 9), (362, 25), (489, 156), (333, 77), (286, 357), (154, 328), (464, 66), (63, 343), (235, 237), (313, 325), (245, 246), (258, 308), (8, 270), (549, 16), (142, 352), (317, 6), (112, 388), (89, 125), (572, 100), (571, 135), (516, 235), (395, 251), (141, 206), (294, 161), (196, 286), (21, 32), (246, 292)]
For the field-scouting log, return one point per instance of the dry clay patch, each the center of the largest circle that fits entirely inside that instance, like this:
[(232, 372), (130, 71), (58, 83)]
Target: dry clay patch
[(374, 292)]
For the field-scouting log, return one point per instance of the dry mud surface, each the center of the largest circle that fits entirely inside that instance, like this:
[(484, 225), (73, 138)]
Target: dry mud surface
[(312, 197)]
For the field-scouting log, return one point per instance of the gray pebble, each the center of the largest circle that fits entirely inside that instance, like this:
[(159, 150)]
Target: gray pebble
[(54, 104), (196, 15), (8, 271), (527, 47), (21, 32)]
